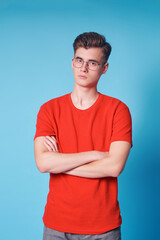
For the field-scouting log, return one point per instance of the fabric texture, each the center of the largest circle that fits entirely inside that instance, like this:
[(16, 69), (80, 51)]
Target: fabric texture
[(76, 204), (50, 234)]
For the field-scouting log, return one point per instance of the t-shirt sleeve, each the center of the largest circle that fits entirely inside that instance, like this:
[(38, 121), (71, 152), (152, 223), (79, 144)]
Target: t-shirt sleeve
[(44, 125), (122, 124)]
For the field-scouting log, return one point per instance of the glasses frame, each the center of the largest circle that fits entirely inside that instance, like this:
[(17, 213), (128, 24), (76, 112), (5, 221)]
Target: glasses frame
[(83, 61)]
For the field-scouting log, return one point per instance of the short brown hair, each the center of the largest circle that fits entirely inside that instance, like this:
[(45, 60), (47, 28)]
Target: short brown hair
[(93, 39)]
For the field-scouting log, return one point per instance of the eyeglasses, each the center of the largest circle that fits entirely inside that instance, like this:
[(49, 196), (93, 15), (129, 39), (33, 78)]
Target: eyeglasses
[(92, 65)]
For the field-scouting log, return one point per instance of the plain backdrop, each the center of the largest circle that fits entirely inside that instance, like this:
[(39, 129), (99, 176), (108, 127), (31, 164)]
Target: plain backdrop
[(36, 39)]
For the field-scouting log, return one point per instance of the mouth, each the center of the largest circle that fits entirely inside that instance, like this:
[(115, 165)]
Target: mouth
[(82, 76)]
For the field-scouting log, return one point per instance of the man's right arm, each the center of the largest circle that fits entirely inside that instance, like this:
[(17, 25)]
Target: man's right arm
[(55, 162)]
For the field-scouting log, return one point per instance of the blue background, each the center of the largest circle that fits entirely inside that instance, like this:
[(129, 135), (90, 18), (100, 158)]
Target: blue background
[(35, 65)]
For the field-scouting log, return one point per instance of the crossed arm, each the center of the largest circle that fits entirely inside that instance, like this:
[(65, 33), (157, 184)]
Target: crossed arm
[(91, 164)]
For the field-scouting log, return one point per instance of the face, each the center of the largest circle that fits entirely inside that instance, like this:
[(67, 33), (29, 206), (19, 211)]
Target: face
[(85, 77)]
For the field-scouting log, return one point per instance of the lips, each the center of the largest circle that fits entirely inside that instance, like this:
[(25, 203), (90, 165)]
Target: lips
[(82, 76)]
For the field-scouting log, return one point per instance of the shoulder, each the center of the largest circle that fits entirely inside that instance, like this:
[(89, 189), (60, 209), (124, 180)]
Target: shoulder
[(113, 103), (55, 102)]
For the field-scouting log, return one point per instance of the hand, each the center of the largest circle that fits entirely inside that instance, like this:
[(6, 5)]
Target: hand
[(51, 143)]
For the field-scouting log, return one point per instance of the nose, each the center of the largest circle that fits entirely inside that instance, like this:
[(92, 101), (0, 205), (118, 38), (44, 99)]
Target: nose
[(84, 67)]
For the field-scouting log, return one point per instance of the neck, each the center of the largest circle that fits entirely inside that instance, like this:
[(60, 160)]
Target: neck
[(84, 98)]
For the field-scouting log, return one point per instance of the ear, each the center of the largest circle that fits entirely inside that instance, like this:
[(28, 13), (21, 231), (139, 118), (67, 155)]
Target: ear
[(105, 67)]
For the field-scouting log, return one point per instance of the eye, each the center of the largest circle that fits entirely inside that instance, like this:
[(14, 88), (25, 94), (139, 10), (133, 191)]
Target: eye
[(78, 60), (91, 63)]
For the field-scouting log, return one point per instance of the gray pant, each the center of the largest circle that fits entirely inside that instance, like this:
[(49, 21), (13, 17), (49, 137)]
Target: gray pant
[(50, 234)]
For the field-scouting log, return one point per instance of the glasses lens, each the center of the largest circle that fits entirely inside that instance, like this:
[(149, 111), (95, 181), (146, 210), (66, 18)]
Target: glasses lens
[(77, 62), (92, 65)]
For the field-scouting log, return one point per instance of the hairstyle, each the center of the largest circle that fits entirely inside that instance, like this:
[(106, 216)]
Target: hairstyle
[(90, 40)]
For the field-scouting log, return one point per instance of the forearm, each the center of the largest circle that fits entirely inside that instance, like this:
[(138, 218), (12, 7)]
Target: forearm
[(54, 162), (110, 166), (49, 159), (96, 169), (91, 164)]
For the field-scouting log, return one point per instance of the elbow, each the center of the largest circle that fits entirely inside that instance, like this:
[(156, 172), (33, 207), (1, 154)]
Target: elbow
[(44, 168), (41, 169), (116, 174), (40, 166), (116, 171)]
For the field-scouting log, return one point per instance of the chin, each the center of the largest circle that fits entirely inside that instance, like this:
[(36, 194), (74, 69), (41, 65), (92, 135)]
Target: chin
[(86, 85)]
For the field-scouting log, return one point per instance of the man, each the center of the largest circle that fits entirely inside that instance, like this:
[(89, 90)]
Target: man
[(83, 140)]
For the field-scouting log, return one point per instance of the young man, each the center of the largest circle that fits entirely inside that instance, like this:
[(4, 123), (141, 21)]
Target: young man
[(83, 140)]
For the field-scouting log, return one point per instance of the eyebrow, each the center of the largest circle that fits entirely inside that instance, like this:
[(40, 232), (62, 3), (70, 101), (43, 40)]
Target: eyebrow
[(90, 60)]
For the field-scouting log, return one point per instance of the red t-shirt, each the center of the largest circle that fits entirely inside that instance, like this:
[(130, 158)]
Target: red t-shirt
[(77, 204)]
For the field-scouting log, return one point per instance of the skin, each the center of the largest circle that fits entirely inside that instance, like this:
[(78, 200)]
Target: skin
[(92, 164), (85, 93)]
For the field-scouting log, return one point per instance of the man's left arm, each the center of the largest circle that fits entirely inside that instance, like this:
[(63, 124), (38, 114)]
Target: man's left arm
[(110, 166)]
